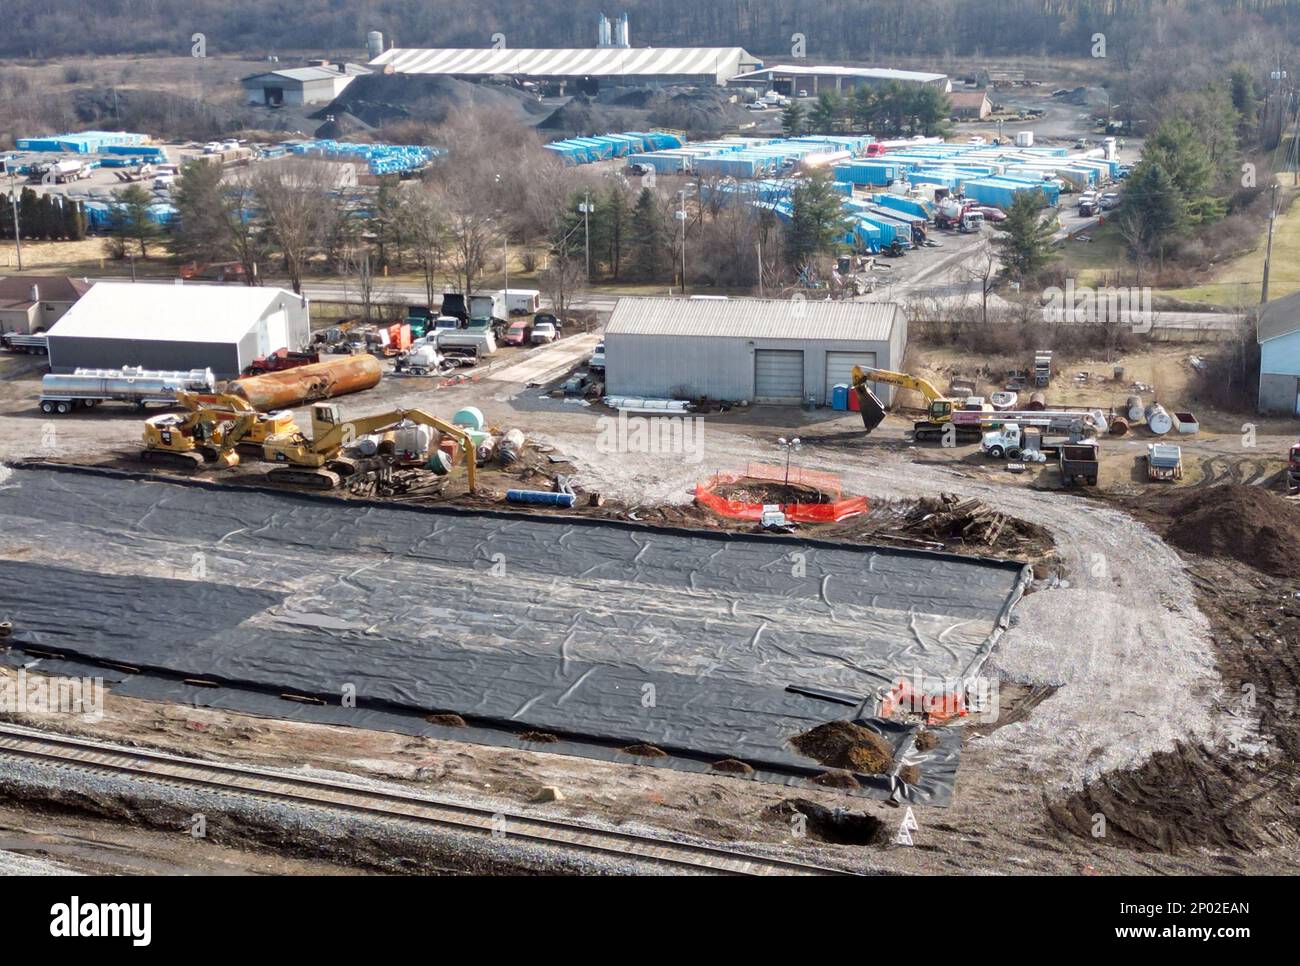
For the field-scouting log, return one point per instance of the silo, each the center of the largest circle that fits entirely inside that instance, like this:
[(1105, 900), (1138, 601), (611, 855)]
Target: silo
[(374, 44)]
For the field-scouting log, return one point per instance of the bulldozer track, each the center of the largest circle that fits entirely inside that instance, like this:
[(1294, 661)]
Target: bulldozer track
[(161, 768)]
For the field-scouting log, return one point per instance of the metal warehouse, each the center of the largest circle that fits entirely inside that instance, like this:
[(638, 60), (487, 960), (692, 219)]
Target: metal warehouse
[(760, 350), (222, 328), (586, 69), (800, 79), (319, 84)]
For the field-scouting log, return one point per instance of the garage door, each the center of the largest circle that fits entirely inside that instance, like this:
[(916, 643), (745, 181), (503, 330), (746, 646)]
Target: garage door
[(839, 368), (778, 376)]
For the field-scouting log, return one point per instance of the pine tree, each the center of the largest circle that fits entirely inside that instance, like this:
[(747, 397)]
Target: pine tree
[(1024, 239), (792, 119), (818, 222), (650, 244), (129, 219), (825, 116)]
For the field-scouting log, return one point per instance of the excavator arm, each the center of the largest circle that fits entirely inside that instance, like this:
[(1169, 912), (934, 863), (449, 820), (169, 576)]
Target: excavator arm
[(873, 410), (327, 444)]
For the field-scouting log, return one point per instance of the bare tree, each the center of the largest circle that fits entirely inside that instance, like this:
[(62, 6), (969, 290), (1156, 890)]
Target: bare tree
[(982, 269), (300, 207), (423, 224)]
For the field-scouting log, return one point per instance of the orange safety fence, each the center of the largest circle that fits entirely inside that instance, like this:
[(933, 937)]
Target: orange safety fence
[(838, 509)]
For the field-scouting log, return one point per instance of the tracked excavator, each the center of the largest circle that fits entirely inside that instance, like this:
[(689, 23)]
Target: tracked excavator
[(321, 463), (944, 414), (210, 432)]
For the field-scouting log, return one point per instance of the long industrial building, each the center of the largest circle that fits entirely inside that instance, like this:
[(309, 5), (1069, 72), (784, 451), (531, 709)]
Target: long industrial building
[(799, 80), (776, 351), (218, 327), (581, 69)]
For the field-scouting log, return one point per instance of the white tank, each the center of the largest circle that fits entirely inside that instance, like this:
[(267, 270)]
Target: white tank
[(1133, 408), (374, 44), (1158, 420), (412, 440)]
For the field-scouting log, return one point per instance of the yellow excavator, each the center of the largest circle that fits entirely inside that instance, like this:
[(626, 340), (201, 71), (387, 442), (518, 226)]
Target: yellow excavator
[(938, 407), (210, 431), (320, 463)]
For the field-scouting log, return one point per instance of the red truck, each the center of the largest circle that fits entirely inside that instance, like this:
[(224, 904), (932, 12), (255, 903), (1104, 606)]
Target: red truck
[(281, 359)]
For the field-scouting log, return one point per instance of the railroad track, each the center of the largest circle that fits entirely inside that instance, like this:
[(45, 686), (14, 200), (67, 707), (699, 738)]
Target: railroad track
[(340, 796)]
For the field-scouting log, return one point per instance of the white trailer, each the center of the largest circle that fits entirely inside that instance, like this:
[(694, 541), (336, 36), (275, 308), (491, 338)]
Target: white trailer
[(85, 388), (521, 301)]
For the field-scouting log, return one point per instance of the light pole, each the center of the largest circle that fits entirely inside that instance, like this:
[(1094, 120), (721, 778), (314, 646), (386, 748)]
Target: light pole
[(13, 200), (585, 208), (791, 446), (681, 216), (505, 249)]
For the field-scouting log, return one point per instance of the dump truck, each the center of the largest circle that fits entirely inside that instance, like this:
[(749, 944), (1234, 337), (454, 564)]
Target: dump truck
[(1080, 463), (1164, 462), (1042, 368), (319, 462)]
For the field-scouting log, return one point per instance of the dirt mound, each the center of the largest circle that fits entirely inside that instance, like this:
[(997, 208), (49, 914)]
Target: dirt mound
[(342, 125), (1245, 523), (541, 737), (380, 99), (644, 751), (732, 766), (582, 116), (755, 491), (446, 720), (843, 744)]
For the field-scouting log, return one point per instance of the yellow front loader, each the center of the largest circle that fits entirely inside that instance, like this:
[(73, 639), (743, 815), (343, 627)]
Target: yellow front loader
[(319, 462)]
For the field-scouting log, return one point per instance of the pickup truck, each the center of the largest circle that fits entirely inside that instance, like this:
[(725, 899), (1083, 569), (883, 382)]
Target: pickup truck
[(1164, 461), (1080, 463)]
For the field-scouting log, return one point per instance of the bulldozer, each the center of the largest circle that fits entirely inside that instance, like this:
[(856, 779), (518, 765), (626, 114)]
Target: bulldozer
[(211, 431), (320, 462)]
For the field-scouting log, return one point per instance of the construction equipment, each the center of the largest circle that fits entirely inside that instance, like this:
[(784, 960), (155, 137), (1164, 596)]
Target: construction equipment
[(962, 215), (1164, 462), (208, 433), (938, 406), (320, 463)]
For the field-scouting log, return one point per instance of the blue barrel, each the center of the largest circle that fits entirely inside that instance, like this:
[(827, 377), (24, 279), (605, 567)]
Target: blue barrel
[(840, 398), (540, 497)]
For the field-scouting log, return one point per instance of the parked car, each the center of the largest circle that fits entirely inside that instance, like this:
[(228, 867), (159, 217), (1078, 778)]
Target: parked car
[(1109, 200), (519, 333), (554, 320), (543, 332), (992, 214), (598, 357), (1081, 144)]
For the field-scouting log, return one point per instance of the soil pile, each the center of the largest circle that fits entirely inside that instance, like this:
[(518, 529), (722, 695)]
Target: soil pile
[(753, 491), (380, 99), (582, 116), (1245, 523), (843, 744)]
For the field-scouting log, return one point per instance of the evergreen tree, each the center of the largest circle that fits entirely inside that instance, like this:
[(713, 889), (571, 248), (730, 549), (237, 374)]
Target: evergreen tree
[(651, 244), (1024, 239), (1178, 148), (818, 222), (610, 228), (792, 119), (826, 114), (1153, 211), (129, 219)]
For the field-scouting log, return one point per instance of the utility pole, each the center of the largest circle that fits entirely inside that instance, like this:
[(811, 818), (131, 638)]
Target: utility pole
[(1268, 251), (681, 216), (586, 230), (13, 200), (759, 245)]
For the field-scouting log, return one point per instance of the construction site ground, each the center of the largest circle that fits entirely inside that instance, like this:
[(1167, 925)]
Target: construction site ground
[(1122, 673)]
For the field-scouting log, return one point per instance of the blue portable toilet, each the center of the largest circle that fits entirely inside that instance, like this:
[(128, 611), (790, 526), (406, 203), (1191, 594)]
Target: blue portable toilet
[(840, 398)]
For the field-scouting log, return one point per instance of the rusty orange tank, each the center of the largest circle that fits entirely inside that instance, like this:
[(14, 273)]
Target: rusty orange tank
[(337, 376)]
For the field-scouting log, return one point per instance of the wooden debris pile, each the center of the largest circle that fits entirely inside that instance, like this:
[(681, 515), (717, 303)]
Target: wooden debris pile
[(950, 519)]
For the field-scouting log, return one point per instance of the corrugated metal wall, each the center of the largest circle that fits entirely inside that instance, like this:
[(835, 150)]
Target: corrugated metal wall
[(76, 352), (724, 368)]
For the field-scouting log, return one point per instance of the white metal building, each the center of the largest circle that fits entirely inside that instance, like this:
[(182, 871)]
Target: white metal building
[(191, 326), (597, 66), (797, 79), (300, 85), (761, 350), (1278, 331)]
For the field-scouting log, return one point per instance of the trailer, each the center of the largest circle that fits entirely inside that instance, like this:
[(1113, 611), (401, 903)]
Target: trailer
[(1080, 463), (34, 345), (86, 388)]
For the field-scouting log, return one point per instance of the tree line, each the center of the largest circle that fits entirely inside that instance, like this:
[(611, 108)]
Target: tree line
[(43, 217), (890, 111)]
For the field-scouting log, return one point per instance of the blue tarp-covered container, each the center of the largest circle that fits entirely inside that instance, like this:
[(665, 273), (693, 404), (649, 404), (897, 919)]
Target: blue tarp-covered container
[(908, 206), (875, 173)]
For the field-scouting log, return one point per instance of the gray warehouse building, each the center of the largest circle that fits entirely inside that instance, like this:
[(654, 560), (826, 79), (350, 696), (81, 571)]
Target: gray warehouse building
[(217, 327), (318, 84), (760, 350)]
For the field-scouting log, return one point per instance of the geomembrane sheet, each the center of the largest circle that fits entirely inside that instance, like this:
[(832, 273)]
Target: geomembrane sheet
[(705, 645)]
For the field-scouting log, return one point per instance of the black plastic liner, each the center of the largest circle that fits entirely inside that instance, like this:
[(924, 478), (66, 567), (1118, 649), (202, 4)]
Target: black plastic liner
[(606, 635)]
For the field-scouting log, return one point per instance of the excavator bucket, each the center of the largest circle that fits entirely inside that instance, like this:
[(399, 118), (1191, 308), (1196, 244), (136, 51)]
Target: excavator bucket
[(872, 409)]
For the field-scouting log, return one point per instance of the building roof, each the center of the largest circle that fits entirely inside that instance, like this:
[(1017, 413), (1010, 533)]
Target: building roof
[(754, 319), (871, 73), (1279, 317), (574, 62), (306, 74), (968, 98), (16, 290), (167, 313)]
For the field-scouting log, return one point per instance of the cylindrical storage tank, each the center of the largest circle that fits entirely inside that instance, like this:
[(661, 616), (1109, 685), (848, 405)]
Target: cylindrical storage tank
[(540, 498), (1119, 426), (1158, 420), (412, 440), (439, 462), (1133, 408), (1037, 402), (512, 447), (374, 44), (321, 380), (471, 417), (367, 446)]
